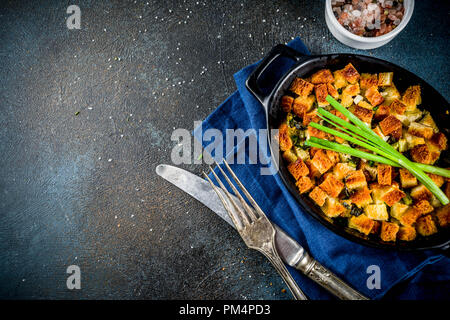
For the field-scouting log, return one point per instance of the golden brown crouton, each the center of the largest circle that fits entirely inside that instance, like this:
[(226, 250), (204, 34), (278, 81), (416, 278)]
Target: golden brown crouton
[(341, 170), (339, 80), (389, 231), (350, 73), (361, 197), (407, 179), (332, 186), (322, 76), (439, 140), (375, 98), (376, 227), (398, 107), (382, 112), (356, 180), (302, 104), (377, 211), (426, 226), (284, 138), (393, 196), (398, 209), (361, 223), (363, 114), (321, 93), (421, 193), (423, 206), (332, 208), (409, 216), (351, 90), (443, 216), (438, 180), (411, 98), (406, 233), (301, 87), (368, 80), (333, 156), (384, 174), (420, 130), (318, 195), (332, 91), (321, 161), (290, 156), (286, 103), (390, 124), (298, 169), (304, 184), (310, 116), (314, 132), (313, 171), (421, 153), (385, 79)]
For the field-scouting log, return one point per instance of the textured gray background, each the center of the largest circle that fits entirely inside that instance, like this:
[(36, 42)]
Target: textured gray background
[(135, 71)]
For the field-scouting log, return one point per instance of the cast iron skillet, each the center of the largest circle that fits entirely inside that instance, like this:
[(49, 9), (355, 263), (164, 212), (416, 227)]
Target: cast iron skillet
[(304, 65)]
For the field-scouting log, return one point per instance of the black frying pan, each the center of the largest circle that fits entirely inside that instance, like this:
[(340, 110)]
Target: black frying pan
[(304, 66)]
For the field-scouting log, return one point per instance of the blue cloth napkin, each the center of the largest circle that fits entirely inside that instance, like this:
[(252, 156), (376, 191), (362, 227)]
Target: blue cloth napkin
[(418, 275)]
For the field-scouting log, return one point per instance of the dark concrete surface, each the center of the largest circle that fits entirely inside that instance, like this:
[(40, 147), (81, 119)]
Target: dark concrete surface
[(86, 116)]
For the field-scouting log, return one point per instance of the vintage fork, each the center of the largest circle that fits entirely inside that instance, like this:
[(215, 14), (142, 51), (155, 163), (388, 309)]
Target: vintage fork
[(254, 227)]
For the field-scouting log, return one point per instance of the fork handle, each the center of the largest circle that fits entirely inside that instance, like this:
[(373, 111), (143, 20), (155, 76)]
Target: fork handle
[(284, 273), (328, 280)]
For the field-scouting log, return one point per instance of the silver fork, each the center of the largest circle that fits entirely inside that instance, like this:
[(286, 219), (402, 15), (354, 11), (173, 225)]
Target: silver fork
[(254, 227)]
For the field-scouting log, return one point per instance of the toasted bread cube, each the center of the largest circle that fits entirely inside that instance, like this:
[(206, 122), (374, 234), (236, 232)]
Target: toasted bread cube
[(429, 121), (385, 79), (284, 137), (361, 197), (346, 100), (318, 195), (350, 73), (361, 223), (351, 90), (286, 103), (339, 80), (333, 156), (321, 93), (390, 124), (314, 132), (341, 170), (374, 96), (420, 130), (332, 91), (298, 169), (365, 104), (389, 231), (378, 191), (377, 211), (301, 87), (289, 156), (376, 227), (368, 80), (397, 107), (398, 209), (313, 171), (310, 117), (378, 131), (439, 140), (384, 174), (406, 233), (332, 186), (321, 161), (424, 207), (412, 97), (302, 104), (333, 208), (322, 76), (443, 216), (421, 193), (409, 216), (304, 184), (438, 180), (426, 226), (393, 196), (407, 179), (391, 93), (421, 153), (365, 115), (356, 180), (382, 112)]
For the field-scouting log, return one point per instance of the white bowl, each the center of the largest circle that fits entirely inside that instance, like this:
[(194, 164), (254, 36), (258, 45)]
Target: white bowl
[(358, 42)]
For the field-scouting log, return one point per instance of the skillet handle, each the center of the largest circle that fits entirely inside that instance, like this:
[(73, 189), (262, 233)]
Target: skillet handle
[(277, 52)]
